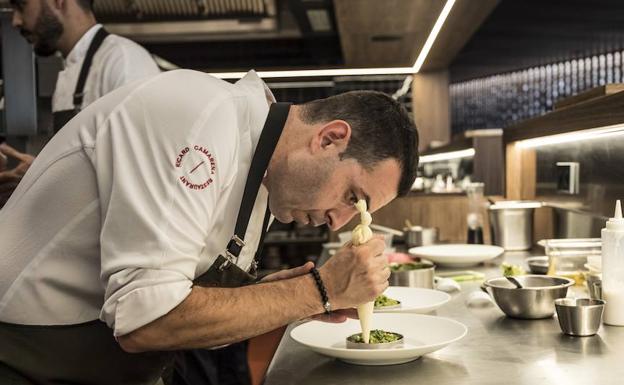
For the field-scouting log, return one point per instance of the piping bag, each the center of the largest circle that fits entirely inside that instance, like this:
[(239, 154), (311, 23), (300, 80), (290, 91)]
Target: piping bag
[(362, 234)]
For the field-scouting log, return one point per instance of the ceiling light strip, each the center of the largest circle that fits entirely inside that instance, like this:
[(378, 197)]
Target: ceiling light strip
[(357, 71), (447, 156), (433, 35), (315, 73), (583, 135)]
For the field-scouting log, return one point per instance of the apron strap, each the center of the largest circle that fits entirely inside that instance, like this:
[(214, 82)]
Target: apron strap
[(265, 225), (86, 66), (273, 126)]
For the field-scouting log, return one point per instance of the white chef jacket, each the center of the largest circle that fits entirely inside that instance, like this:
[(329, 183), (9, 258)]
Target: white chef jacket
[(131, 201), (117, 62)]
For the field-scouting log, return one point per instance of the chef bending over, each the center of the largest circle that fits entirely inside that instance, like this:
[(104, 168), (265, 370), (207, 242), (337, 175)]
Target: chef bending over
[(134, 233)]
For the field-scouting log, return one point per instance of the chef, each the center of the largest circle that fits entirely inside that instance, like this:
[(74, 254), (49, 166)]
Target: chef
[(161, 193), (96, 62)]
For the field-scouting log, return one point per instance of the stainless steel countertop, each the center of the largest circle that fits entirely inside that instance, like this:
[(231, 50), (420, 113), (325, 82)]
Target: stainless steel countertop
[(496, 350)]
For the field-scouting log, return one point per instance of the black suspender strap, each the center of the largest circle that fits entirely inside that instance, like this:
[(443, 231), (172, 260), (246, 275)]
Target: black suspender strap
[(99, 37), (265, 227), (278, 113)]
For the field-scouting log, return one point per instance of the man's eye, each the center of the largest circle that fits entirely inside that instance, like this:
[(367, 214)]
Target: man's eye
[(354, 198)]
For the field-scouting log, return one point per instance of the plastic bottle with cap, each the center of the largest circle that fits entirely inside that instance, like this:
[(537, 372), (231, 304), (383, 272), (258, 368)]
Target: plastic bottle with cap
[(613, 268)]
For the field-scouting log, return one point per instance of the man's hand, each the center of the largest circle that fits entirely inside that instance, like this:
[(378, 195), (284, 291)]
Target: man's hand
[(14, 174), (336, 316), (290, 273), (356, 274)]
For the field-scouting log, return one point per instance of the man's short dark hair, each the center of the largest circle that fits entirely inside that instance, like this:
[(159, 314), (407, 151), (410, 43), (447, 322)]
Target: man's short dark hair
[(380, 129)]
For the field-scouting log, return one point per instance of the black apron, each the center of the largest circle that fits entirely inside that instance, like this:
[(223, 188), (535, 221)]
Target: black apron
[(60, 118), (88, 353)]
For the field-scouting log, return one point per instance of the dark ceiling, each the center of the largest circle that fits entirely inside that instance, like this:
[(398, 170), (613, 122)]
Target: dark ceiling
[(242, 55), (296, 44), (517, 34), (525, 33)]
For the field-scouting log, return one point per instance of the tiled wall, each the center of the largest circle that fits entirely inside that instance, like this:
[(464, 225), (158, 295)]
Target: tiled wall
[(500, 100)]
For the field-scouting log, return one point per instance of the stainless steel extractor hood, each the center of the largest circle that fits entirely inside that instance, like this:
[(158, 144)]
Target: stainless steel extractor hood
[(180, 20)]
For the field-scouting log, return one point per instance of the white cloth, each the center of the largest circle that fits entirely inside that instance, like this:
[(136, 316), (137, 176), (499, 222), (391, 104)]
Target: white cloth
[(117, 62), (131, 201)]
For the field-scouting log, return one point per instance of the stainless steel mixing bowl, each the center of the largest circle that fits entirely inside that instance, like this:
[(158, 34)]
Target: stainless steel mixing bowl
[(535, 300)]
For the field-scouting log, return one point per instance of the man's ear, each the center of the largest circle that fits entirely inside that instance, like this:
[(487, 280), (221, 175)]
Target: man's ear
[(332, 135)]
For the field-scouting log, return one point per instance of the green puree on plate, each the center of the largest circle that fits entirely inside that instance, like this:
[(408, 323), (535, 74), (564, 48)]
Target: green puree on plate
[(383, 301), (377, 336)]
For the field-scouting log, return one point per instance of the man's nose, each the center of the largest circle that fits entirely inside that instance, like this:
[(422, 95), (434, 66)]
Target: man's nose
[(16, 19), (340, 217)]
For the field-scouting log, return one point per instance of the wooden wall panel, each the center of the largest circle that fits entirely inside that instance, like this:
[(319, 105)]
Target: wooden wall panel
[(446, 212), (431, 107), (520, 173)]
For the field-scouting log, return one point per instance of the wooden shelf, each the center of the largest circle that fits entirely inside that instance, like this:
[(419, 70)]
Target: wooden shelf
[(598, 112)]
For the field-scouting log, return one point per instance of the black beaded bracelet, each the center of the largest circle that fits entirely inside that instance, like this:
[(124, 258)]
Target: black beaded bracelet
[(322, 290)]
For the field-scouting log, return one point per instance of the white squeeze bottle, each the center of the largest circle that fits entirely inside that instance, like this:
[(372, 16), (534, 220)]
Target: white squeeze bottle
[(613, 268)]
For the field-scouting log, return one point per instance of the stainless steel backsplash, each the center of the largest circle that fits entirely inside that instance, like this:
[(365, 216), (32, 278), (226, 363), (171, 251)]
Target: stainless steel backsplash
[(601, 183)]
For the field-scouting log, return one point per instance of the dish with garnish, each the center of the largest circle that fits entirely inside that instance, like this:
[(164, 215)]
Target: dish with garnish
[(410, 300)]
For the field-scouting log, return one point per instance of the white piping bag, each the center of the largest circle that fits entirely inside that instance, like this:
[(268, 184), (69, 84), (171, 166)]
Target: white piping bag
[(362, 234)]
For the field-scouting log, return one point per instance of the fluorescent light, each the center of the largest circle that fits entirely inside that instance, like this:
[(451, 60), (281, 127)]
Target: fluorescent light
[(433, 35), (357, 71), (325, 72), (594, 133), (447, 155)]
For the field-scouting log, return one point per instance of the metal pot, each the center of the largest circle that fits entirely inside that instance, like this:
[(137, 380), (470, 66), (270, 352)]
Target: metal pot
[(512, 224), (420, 236)]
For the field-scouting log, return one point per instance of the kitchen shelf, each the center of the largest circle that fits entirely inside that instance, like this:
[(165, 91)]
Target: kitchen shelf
[(597, 112)]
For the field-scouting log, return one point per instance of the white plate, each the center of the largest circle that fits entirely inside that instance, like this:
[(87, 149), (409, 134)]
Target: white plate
[(422, 334), (415, 299), (457, 255)]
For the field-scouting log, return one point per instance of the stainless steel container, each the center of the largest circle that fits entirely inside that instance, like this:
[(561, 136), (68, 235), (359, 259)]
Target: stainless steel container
[(534, 300), (538, 265), (512, 224), (594, 285), (579, 317), (420, 236), (422, 277)]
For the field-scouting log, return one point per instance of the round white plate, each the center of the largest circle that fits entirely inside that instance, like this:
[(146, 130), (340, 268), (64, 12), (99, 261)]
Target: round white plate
[(457, 255), (422, 334), (414, 299)]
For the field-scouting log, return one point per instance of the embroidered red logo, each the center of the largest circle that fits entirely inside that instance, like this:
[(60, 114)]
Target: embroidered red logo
[(197, 166)]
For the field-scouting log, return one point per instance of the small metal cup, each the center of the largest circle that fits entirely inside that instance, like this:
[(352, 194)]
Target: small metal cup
[(420, 236), (579, 317), (414, 278)]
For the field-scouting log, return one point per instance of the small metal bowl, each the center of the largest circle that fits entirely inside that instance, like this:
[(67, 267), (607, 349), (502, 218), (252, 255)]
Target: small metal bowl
[(386, 345), (420, 277), (579, 317), (534, 300), (538, 265)]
